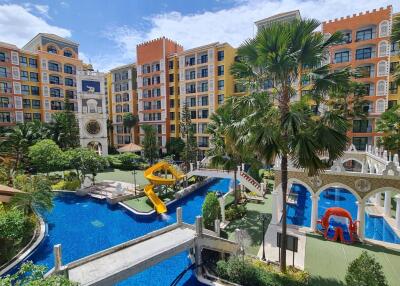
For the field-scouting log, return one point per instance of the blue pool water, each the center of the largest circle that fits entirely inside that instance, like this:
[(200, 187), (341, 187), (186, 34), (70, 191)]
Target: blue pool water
[(300, 214), (84, 226)]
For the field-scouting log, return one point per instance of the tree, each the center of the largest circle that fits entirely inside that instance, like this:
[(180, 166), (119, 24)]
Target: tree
[(150, 146), (396, 39), (46, 156), (86, 161), (37, 194), (30, 274), (130, 121), (284, 53), (65, 128), (190, 151), (389, 123), (211, 210), (175, 146), (365, 271)]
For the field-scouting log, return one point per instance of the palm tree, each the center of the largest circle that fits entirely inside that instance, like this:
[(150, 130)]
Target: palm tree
[(284, 53), (130, 121), (396, 39), (37, 194)]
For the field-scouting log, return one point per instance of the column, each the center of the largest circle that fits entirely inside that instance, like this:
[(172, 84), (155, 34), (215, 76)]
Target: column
[(222, 205), (361, 219), (397, 211), (274, 219), (378, 200), (314, 211), (57, 257), (388, 203), (179, 220)]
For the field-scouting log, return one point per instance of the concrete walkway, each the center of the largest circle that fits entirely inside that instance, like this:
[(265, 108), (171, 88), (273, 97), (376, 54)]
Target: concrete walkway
[(272, 251)]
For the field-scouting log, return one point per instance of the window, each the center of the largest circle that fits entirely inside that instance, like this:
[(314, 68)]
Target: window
[(346, 37), (203, 58), (68, 69), (392, 103), (70, 94), (204, 86), (25, 89), (172, 115), (380, 106), (203, 113), (364, 35), (56, 105), (221, 84), (360, 143), (55, 92), (342, 57), (126, 108), (28, 116), (125, 97), (171, 103), (171, 65), (119, 118), (35, 104), (171, 77), (3, 72), (35, 90), (54, 79), (33, 63), (192, 101), (220, 99), (52, 50), (69, 82), (204, 100), (68, 53), (204, 72), (365, 53), (23, 61), (393, 88), (361, 126), (393, 66), (220, 70), (2, 57), (5, 117), (4, 87), (24, 75), (34, 76), (192, 75), (171, 90), (220, 55), (36, 116), (172, 128), (53, 66), (191, 88), (193, 114), (4, 102), (27, 103)]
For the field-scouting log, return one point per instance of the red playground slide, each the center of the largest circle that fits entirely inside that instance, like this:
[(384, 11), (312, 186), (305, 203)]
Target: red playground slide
[(338, 224)]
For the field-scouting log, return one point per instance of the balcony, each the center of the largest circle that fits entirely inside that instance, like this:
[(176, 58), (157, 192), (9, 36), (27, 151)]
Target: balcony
[(6, 105), (190, 62), (190, 77), (202, 89), (7, 90), (5, 75), (202, 61), (190, 90), (202, 75)]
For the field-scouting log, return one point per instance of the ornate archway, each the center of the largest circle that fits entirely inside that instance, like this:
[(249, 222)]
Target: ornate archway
[(95, 146)]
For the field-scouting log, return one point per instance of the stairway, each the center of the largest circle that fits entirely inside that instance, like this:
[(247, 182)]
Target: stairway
[(250, 183)]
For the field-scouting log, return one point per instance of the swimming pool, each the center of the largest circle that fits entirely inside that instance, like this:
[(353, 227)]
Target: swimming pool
[(300, 214), (85, 225)]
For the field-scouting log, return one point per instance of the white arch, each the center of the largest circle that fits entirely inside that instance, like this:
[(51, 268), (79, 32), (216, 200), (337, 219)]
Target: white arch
[(380, 105), (295, 181), (380, 190), (338, 185), (382, 68), (384, 28), (356, 160), (381, 87), (383, 48)]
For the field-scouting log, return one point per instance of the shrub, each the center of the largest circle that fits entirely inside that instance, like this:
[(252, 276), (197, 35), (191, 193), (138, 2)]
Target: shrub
[(211, 210), (235, 212), (70, 185), (365, 271)]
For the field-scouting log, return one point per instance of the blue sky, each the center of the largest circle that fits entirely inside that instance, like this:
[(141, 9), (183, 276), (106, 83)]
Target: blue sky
[(108, 31)]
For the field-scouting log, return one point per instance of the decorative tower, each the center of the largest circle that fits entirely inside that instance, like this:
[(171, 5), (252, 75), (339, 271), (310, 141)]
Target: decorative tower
[(92, 110)]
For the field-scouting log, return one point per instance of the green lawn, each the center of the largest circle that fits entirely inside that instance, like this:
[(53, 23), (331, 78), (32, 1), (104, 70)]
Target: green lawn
[(139, 204), (252, 224), (123, 176), (327, 261)]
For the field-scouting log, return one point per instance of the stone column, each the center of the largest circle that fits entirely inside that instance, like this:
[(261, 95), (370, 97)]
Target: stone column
[(397, 211), (387, 204), (179, 216), (57, 257), (378, 200), (191, 167), (222, 205), (275, 207), (314, 211), (197, 251), (217, 227), (243, 167), (361, 219)]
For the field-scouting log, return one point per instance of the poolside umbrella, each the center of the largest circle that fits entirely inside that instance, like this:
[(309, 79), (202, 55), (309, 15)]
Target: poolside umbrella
[(131, 147)]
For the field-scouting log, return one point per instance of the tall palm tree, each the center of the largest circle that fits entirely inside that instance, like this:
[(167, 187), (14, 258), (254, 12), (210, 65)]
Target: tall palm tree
[(284, 53)]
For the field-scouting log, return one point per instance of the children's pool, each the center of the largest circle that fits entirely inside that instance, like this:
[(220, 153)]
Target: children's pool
[(84, 226), (300, 214)]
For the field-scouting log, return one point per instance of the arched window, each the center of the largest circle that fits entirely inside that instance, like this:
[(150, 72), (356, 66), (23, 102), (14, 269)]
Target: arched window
[(382, 68), (126, 108), (118, 98), (125, 97), (381, 88), (384, 29), (119, 118), (383, 49), (118, 108), (68, 53), (380, 106), (92, 105), (52, 49)]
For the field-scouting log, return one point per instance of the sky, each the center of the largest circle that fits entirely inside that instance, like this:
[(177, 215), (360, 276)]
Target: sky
[(109, 30)]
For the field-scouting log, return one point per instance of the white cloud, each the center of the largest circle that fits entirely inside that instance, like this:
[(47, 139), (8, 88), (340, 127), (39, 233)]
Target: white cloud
[(43, 9), (230, 25), (19, 25)]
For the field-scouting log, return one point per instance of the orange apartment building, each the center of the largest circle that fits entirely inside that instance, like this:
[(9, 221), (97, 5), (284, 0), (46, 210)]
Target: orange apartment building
[(366, 48), (35, 79), (152, 85)]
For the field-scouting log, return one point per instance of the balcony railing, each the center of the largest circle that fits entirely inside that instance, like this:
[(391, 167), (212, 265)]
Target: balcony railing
[(202, 75), (190, 77), (202, 89), (6, 105), (190, 90), (6, 90)]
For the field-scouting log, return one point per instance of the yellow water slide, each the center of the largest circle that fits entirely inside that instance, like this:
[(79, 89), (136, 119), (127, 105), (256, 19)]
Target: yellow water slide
[(157, 181)]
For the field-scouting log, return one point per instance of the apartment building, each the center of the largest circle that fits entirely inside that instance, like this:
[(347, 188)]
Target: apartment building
[(122, 98), (204, 81), (366, 47), (153, 85), (278, 18), (35, 79)]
